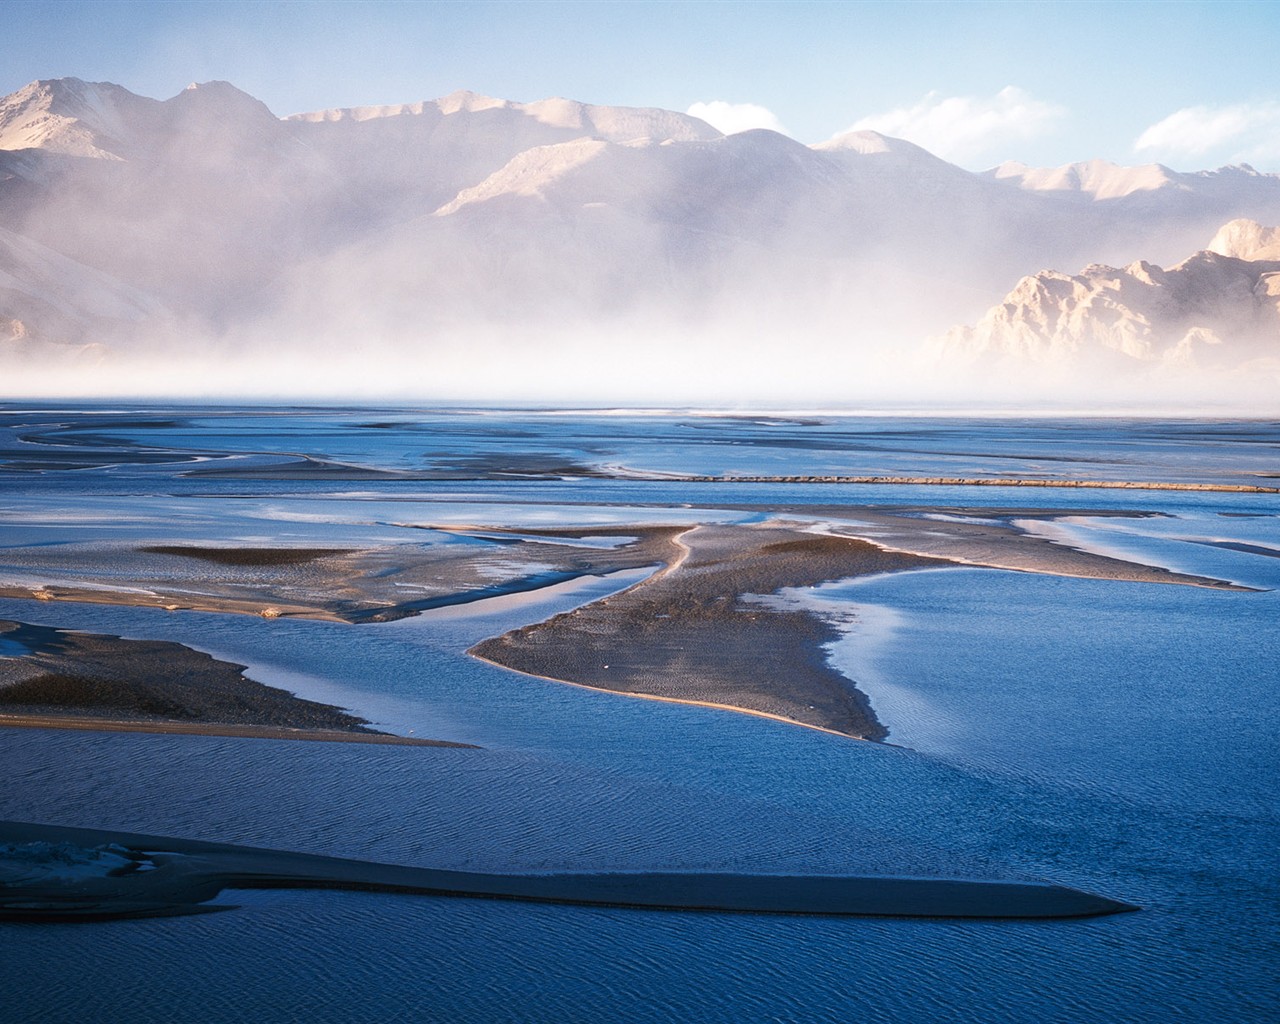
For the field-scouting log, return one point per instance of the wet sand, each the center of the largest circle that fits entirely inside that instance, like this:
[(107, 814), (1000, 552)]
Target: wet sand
[(994, 539), (55, 678), (686, 634), (690, 633), (335, 584), (50, 873)]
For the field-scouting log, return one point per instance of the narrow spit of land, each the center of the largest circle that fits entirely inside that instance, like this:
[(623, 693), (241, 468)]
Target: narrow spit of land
[(696, 632), (975, 481), (687, 634), (59, 679), (50, 873)]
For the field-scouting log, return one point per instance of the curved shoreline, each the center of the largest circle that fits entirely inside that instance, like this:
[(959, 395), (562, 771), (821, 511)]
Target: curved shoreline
[(99, 682), (684, 635), (679, 700)]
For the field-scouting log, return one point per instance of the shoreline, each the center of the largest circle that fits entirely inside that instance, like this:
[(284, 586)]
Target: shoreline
[(85, 723), (735, 709), (68, 679), (683, 635)]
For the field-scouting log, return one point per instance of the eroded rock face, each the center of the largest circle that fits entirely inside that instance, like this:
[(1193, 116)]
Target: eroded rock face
[(1212, 309), (1247, 240)]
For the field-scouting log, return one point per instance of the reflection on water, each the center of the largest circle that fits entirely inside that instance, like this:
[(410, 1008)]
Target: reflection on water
[(1116, 737)]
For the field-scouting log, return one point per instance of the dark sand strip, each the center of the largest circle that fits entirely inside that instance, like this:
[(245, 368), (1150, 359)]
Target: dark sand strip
[(179, 876), (60, 677), (245, 556), (507, 466), (684, 635)]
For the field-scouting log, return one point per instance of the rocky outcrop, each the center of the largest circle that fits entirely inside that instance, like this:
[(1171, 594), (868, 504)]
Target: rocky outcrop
[(1213, 308)]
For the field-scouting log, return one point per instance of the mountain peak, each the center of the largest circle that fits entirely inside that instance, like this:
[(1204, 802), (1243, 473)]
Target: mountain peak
[(69, 116), (1247, 240), (218, 99), (619, 124), (866, 142)]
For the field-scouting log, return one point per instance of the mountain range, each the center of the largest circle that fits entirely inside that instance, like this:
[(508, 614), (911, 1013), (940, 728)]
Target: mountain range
[(471, 246)]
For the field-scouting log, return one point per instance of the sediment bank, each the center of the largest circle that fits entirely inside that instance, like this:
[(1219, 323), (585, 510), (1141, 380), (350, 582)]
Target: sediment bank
[(62, 679), (685, 634), (50, 873)]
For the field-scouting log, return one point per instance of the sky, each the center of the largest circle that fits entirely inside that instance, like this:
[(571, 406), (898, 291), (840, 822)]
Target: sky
[(1192, 85)]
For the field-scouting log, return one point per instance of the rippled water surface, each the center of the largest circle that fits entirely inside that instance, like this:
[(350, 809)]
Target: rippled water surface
[(1117, 737)]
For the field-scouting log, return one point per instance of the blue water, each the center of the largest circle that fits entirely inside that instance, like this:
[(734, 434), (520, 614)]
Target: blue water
[(10, 648), (1117, 737)]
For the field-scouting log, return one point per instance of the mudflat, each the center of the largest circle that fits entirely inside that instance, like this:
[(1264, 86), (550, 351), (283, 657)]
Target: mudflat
[(690, 632), (373, 584), (697, 631), (54, 678)]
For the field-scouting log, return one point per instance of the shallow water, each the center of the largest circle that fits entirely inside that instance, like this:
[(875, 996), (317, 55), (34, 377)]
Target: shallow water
[(1116, 737)]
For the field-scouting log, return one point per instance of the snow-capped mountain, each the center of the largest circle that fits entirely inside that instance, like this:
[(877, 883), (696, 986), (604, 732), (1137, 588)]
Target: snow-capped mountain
[(530, 231)]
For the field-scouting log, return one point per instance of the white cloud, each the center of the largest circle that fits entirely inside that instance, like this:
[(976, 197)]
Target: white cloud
[(732, 118), (963, 128), (1239, 132)]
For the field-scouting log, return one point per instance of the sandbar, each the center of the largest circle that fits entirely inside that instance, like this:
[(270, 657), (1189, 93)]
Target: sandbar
[(51, 873), (376, 584), (61, 679), (686, 634)]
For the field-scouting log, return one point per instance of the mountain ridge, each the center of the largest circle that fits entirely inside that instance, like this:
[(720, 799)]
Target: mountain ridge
[(412, 229)]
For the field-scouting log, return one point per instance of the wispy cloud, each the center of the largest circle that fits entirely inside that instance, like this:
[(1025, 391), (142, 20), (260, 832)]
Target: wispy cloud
[(966, 128), (731, 118), (1238, 132)]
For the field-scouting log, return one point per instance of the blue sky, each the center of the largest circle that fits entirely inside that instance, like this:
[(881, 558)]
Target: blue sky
[(1193, 85)]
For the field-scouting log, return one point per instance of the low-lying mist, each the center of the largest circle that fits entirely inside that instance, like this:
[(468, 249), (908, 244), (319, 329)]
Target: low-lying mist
[(473, 250)]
